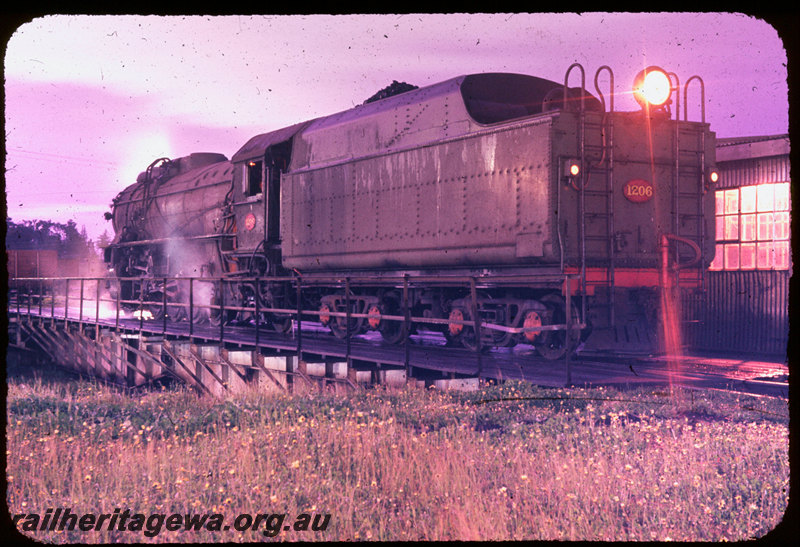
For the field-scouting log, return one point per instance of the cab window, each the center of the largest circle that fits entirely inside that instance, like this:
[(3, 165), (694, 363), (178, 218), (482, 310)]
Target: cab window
[(254, 178)]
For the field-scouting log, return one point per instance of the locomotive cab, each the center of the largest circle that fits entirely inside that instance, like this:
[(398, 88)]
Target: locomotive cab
[(257, 171)]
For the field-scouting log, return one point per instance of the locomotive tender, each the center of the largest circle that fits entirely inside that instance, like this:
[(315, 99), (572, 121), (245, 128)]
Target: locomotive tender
[(485, 174)]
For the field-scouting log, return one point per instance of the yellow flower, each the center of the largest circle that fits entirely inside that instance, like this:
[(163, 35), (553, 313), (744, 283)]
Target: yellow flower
[(295, 464)]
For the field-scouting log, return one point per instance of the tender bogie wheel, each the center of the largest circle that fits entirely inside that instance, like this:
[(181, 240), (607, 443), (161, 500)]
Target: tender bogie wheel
[(324, 315), (392, 331), (468, 340), (455, 329), (552, 344), (375, 318), (532, 318), (463, 333), (339, 328)]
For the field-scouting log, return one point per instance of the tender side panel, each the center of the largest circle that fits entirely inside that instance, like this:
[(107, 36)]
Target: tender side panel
[(480, 200)]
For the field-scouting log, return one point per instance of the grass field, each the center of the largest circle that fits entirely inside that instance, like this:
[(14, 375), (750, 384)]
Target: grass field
[(508, 462)]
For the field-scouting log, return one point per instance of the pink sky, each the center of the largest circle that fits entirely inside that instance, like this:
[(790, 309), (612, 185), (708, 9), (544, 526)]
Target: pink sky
[(92, 100)]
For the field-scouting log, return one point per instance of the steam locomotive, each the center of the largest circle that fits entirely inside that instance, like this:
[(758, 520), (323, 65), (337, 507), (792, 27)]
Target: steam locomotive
[(491, 174)]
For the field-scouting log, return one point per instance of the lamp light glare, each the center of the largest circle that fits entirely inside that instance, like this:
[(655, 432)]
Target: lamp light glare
[(652, 86)]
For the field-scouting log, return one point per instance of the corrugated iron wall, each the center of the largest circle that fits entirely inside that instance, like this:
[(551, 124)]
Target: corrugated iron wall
[(741, 312), (753, 171)]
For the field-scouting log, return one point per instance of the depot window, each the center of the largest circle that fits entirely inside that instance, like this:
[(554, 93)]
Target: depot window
[(253, 178), (752, 228)]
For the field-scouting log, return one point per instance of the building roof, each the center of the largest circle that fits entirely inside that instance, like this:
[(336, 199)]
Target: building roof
[(740, 148)]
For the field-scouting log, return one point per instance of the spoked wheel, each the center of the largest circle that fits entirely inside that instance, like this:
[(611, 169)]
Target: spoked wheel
[(271, 296), (247, 299), (155, 303), (153, 306), (214, 315), (175, 298), (553, 344), (175, 311)]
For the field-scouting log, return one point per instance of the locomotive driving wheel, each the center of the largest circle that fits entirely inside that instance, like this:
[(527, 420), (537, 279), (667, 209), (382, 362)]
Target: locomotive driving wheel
[(553, 344), (215, 314), (274, 295)]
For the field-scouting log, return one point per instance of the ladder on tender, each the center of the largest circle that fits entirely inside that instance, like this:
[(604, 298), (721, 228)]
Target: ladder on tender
[(598, 159), (688, 185)]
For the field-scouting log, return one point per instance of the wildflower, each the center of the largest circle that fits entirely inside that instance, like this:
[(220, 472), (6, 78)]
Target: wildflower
[(295, 464)]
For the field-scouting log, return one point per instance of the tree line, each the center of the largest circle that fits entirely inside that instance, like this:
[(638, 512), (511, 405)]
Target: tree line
[(49, 235)]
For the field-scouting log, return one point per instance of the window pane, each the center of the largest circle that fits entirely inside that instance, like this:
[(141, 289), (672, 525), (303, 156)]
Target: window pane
[(748, 204), (731, 227), (766, 197), (747, 256), (716, 264), (782, 254), (732, 201), (732, 256), (765, 221), (720, 228), (748, 228), (782, 196), (782, 225), (764, 256), (719, 196)]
